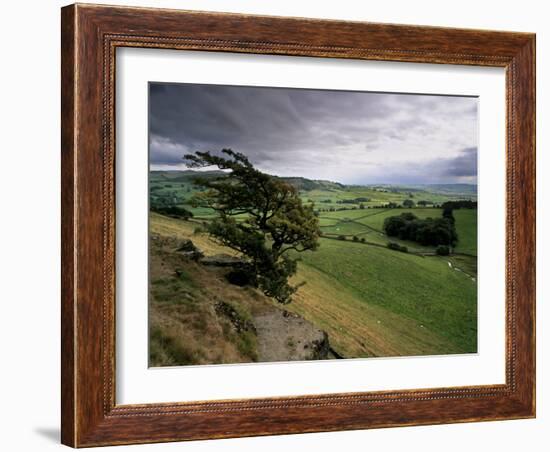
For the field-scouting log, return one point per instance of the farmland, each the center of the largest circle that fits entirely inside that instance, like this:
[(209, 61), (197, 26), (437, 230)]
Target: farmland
[(177, 187), (388, 289), (370, 300)]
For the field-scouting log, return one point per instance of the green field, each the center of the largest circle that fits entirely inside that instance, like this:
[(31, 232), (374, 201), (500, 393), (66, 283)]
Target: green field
[(369, 223), (177, 187), (377, 221), (466, 227), (371, 300), (326, 198), (422, 290)]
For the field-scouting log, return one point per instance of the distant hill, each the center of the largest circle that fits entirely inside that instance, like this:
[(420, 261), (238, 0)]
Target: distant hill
[(301, 183), (451, 188), (468, 190), (186, 176), (305, 184), (182, 176)]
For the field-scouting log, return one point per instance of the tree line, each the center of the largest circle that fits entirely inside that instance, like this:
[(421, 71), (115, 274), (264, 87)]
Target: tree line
[(461, 204), (177, 212), (427, 231)]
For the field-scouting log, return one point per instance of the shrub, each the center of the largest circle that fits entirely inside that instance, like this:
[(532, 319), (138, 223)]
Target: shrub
[(172, 212), (341, 237), (442, 250), (355, 238), (241, 277), (397, 247)]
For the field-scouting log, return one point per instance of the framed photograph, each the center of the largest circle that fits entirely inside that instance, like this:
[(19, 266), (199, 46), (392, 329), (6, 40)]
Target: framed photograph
[(280, 225)]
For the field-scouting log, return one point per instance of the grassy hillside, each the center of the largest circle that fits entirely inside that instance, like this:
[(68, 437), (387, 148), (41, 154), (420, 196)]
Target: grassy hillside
[(185, 327), (405, 304), (466, 227), (197, 317), (371, 301)]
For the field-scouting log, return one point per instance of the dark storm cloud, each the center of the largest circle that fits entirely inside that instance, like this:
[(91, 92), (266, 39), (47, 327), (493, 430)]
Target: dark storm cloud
[(463, 165), (462, 168), (337, 135), (258, 120)]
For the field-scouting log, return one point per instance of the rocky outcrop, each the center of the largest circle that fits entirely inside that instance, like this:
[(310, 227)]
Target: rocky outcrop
[(223, 260), (244, 323), (320, 348), (188, 250), (285, 336)]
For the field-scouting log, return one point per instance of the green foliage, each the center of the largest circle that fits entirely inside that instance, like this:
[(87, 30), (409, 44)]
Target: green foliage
[(397, 247), (393, 246), (408, 202), (448, 214), (428, 231), (442, 250), (258, 215), (358, 200), (461, 204), (173, 212)]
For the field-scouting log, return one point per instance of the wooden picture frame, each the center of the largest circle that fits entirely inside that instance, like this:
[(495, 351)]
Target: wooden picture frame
[(90, 36)]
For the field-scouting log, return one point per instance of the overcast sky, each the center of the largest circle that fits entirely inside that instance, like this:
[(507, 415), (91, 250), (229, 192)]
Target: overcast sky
[(343, 136)]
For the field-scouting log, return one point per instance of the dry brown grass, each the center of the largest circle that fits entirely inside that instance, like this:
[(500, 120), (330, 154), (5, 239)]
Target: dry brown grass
[(185, 328), (184, 325), (358, 329)]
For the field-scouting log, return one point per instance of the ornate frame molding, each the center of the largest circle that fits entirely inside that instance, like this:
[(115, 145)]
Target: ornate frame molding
[(90, 37)]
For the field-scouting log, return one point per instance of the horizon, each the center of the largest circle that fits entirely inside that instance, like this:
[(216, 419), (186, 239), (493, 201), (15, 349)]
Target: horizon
[(368, 184), (351, 137)]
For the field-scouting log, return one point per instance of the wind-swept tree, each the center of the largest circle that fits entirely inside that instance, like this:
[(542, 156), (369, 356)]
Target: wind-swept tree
[(260, 216)]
